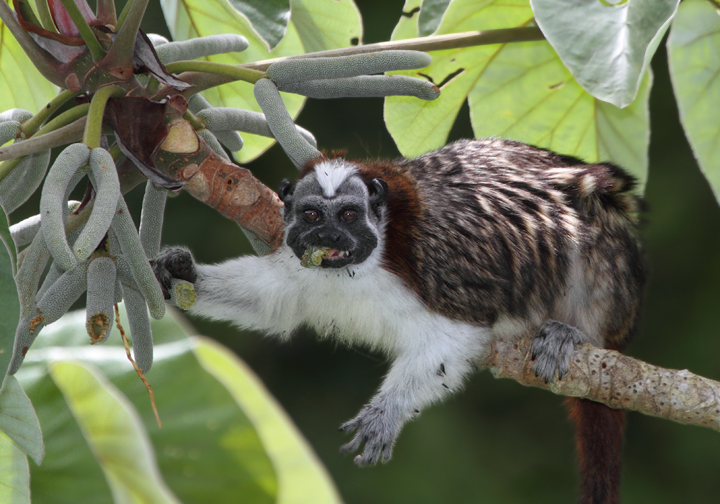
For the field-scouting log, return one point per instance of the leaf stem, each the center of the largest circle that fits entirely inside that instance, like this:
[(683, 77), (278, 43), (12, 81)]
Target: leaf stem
[(194, 121), (93, 126), (61, 136), (45, 17), (232, 71), (30, 127), (121, 52), (87, 33)]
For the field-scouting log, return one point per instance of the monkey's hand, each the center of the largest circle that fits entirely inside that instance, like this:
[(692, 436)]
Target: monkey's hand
[(552, 347), (378, 425), (173, 262)]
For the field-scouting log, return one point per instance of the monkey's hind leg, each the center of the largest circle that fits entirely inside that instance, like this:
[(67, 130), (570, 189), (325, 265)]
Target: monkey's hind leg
[(552, 347)]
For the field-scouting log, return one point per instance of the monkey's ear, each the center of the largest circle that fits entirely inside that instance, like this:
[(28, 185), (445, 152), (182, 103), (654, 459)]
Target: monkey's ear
[(285, 191), (378, 189)]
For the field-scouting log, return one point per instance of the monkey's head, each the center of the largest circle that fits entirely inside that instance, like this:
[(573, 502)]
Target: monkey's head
[(334, 214)]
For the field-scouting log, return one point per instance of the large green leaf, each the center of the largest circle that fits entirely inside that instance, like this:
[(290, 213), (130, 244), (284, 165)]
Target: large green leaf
[(269, 18), (301, 477), (314, 25), (114, 432), (8, 296), (19, 421), (520, 91), (607, 46), (21, 85), (213, 445), (14, 473), (694, 57)]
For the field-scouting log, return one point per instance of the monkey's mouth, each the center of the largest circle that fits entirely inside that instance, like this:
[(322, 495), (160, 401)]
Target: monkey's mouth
[(314, 256)]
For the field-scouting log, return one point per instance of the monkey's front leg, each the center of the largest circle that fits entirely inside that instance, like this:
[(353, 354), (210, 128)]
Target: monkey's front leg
[(415, 380)]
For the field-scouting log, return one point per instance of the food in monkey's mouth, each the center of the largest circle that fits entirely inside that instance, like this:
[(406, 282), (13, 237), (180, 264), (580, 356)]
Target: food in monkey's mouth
[(314, 256)]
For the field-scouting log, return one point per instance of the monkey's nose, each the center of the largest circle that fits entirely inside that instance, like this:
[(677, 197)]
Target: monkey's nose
[(335, 236)]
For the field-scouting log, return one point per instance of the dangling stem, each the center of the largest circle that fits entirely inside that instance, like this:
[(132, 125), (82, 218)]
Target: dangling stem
[(98, 53), (93, 126), (234, 72), (30, 127)]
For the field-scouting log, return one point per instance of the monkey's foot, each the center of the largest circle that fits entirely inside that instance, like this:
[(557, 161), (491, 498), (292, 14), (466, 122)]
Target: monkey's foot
[(552, 347), (377, 429), (173, 262)]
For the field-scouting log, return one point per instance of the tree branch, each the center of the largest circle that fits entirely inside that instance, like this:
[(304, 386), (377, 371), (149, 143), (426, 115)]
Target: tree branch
[(619, 381)]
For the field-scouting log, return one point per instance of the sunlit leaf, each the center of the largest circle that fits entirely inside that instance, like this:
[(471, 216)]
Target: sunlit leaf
[(19, 421), (314, 25), (8, 295), (694, 57), (269, 18), (21, 85), (520, 91), (607, 46), (14, 473), (301, 477), (114, 433), (218, 440)]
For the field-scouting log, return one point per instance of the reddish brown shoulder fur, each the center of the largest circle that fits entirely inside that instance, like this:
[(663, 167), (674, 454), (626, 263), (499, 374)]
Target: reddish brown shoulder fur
[(404, 211)]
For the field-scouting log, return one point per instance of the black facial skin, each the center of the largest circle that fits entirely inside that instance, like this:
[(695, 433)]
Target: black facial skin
[(346, 222)]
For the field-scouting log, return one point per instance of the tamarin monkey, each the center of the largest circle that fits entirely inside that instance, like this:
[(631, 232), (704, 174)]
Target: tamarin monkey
[(431, 259)]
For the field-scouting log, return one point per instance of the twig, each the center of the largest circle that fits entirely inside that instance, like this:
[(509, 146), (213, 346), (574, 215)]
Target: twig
[(618, 381), (139, 372)]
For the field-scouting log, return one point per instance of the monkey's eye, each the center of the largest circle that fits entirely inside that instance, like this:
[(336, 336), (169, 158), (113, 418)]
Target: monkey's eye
[(348, 215), (311, 215)]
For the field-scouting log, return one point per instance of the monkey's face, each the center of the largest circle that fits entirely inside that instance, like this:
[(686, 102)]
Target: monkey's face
[(333, 216)]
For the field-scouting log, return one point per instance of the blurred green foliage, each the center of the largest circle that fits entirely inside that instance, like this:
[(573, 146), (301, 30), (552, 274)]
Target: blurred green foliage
[(495, 441)]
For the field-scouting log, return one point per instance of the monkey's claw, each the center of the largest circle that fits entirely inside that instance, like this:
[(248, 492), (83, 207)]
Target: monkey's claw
[(377, 430), (173, 262), (552, 348)]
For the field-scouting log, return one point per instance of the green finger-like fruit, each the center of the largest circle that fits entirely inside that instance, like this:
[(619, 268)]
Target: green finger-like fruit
[(53, 200), (212, 141), (201, 47), (365, 86), (107, 193), (100, 298), (304, 69), (220, 119), (282, 125), (151, 219), (8, 131), (137, 261), (15, 114), (140, 332)]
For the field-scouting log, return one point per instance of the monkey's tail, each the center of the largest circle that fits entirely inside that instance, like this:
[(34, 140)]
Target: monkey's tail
[(599, 437)]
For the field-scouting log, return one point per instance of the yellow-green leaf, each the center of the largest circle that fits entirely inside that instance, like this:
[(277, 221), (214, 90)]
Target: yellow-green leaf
[(114, 432), (14, 473)]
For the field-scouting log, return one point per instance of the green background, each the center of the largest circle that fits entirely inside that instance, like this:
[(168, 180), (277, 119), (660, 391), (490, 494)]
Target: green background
[(495, 441)]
